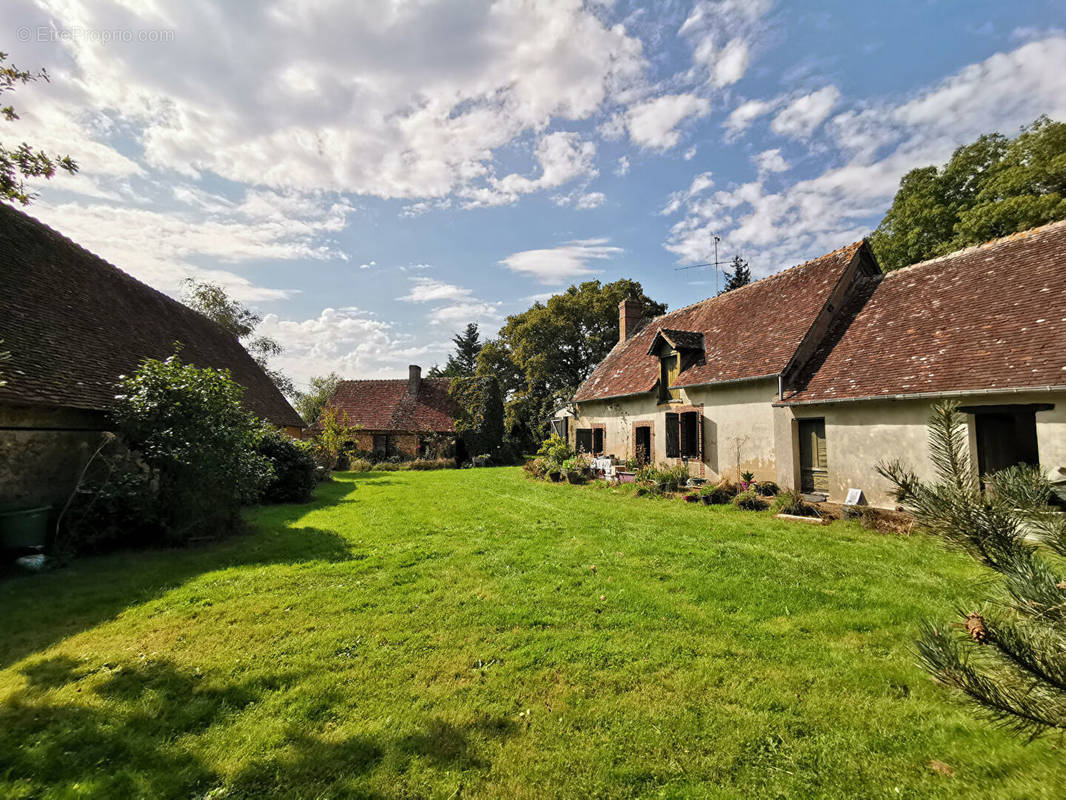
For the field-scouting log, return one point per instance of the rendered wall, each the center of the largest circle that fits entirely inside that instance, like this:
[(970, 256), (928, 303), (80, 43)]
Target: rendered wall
[(738, 413), (859, 434)]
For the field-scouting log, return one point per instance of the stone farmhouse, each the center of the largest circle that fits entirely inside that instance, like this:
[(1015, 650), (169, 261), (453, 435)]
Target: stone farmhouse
[(811, 376), (73, 324), (406, 419)]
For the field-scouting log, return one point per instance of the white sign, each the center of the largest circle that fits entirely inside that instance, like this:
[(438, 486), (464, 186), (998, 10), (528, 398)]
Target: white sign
[(855, 498)]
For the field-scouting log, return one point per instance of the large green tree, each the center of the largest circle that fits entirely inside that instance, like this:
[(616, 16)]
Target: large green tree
[(23, 161), (320, 388), (542, 355), (992, 187), (212, 301), (463, 362)]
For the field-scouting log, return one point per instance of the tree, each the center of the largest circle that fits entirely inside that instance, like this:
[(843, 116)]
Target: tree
[(740, 276), (212, 301), (193, 434), (990, 188), (543, 354), (463, 363), (335, 434), (479, 423), (310, 403), (22, 162), (1009, 656)]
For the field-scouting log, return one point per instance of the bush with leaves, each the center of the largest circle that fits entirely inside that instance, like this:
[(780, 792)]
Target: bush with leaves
[(294, 467), (335, 433), (767, 488), (1008, 656), (719, 494), (199, 444), (555, 451)]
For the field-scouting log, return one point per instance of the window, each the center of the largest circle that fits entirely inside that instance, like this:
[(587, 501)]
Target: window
[(383, 445), (584, 440), (690, 434), (597, 441), (673, 435), (1005, 436), (669, 370)]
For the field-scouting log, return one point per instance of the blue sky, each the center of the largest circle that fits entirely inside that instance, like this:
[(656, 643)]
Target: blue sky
[(371, 176)]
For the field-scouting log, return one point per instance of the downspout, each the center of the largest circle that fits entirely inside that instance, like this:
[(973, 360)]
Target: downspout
[(780, 387)]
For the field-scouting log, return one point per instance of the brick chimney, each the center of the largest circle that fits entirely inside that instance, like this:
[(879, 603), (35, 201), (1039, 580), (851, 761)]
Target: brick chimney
[(414, 379), (628, 317)]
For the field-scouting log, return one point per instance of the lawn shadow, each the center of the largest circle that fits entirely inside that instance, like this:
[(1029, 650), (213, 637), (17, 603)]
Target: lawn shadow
[(45, 608), (129, 746)]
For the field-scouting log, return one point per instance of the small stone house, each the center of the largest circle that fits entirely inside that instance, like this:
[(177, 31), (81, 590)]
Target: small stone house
[(405, 419), (73, 324), (811, 376)]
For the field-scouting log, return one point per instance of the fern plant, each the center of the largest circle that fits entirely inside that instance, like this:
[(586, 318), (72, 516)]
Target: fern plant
[(1008, 656)]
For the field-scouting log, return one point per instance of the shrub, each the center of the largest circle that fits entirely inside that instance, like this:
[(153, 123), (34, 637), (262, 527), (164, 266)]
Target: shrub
[(197, 443), (663, 477), (387, 466), (114, 508), (431, 463), (555, 451), (719, 495), (792, 502), (294, 468), (750, 501), (767, 488), (334, 437), (360, 465), (536, 468)]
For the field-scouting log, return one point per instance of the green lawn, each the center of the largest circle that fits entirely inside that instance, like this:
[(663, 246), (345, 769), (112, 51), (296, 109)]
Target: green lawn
[(475, 634)]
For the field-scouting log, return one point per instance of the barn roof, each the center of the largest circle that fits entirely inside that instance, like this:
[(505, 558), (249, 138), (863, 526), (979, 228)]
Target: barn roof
[(73, 323), (990, 317), (747, 333)]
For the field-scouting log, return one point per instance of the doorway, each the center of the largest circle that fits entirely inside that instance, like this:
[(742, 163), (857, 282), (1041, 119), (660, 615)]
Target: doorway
[(1005, 437), (814, 466), (642, 443)]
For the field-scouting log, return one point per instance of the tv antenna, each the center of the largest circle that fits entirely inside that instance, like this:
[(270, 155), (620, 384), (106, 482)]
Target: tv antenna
[(714, 264)]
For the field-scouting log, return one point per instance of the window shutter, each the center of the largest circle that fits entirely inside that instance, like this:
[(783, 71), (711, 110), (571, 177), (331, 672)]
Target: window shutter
[(690, 434), (559, 427), (597, 440), (673, 435)]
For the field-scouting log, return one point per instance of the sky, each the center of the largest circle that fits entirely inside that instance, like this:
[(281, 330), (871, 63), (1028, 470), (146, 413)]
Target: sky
[(372, 176)]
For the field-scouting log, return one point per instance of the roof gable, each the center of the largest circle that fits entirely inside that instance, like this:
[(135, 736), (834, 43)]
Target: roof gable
[(747, 333), (74, 323), (385, 405), (985, 318)]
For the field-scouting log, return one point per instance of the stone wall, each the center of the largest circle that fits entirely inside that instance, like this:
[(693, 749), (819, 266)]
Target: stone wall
[(42, 452)]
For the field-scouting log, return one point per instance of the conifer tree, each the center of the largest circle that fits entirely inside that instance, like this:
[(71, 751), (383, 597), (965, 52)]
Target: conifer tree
[(1008, 656), (740, 276), (463, 363)]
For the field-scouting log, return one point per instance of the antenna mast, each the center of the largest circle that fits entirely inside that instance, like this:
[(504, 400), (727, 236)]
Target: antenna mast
[(714, 264)]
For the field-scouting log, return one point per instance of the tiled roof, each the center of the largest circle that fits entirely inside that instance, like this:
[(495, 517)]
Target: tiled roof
[(985, 318), (384, 405), (74, 323), (747, 333)]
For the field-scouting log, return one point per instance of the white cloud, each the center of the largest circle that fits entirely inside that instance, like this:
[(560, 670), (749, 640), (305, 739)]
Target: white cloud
[(877, 146), (368, 265), (562, 156), (746, 113), (428, 290), (162, 248), (458, 314), (691, 153), (582, 201), (770, 161), (623, 166), (407, 100), (800, 117), (559, 264), (653, 123), (722, 33), (700, 184), (347, 341)]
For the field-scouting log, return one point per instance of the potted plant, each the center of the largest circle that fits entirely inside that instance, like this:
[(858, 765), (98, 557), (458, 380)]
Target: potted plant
[(746, 480)]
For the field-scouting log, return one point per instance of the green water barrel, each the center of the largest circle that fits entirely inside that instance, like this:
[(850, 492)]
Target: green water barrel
[(23, 527)]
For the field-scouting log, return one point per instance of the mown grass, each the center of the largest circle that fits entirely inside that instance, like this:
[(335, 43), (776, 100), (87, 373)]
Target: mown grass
[(446, 635)]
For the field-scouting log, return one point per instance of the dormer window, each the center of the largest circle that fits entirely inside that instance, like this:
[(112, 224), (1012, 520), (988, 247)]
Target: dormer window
[(676, 351), (669, 371)]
